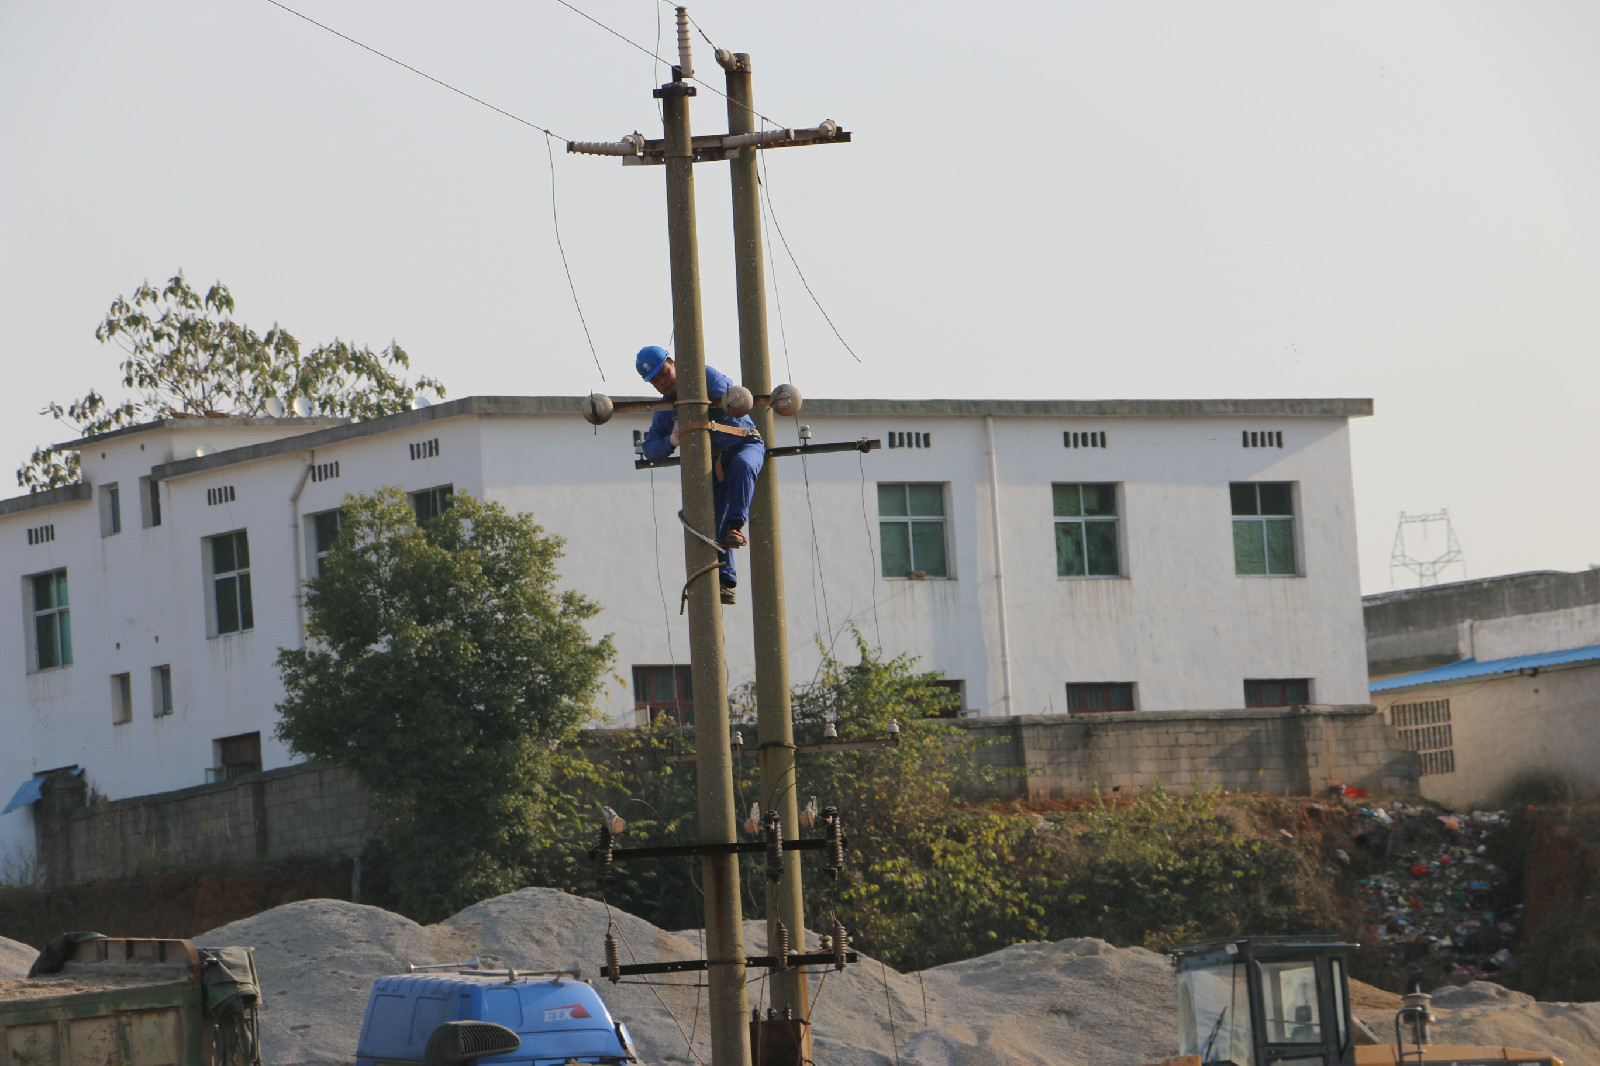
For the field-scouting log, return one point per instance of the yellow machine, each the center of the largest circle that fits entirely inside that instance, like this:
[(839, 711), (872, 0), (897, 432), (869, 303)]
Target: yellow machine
[(1285, 1001)]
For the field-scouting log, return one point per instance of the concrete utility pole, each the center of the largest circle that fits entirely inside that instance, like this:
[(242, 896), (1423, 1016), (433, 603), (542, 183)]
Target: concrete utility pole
[(774, 718), (730, 1035)]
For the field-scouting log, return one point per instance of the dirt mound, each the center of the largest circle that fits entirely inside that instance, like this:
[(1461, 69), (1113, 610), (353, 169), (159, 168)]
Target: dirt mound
[(15, 958), (1073, 1001)]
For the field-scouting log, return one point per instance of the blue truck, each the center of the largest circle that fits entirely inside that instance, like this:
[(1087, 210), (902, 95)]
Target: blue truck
[(462, 1013)]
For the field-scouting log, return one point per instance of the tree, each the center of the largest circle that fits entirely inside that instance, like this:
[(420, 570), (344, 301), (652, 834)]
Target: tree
[(187, 356), (445, 668)]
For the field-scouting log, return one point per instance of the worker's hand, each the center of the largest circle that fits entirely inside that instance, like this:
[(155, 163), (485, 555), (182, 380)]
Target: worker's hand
[(673, 438)]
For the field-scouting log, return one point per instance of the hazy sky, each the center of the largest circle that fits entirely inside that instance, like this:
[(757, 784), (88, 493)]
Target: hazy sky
[(1063, 200)]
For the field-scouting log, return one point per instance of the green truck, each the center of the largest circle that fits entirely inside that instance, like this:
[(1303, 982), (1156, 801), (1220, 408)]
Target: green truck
[(92, 1000)]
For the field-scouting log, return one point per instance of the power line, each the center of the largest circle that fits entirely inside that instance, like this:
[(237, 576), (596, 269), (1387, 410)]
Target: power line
[(555, 219), (414, 70), (767, 192)]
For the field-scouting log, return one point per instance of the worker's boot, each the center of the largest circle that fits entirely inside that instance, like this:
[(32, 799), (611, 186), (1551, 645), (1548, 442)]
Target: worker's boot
[(729, 597), (734, 537)]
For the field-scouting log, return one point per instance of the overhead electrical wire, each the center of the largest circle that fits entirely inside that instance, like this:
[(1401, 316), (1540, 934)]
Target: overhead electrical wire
[(414, 70), (555, 221)]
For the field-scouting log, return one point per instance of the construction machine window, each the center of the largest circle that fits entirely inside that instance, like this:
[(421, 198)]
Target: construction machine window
[(1289, 1002), (1214, 1014)]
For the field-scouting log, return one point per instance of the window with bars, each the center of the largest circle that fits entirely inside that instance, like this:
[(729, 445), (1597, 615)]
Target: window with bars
[(911, 529), (324, 527), (1277, 692), (1086, 530), (235, 757), (431, 503), (1263, 528), (1424, 728), (233, 607), (663, 691), (52, 621), (1093, 697)]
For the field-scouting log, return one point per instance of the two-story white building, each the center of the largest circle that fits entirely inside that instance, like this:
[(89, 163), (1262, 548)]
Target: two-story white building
[(1046, 556)]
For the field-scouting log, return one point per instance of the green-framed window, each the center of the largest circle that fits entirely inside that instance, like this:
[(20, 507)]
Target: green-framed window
[(1263, 528), (911, 529), (52, 621), (230, 582), (1086, 530)]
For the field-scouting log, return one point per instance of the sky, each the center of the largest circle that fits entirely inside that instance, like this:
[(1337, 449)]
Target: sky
[(1079, 200)]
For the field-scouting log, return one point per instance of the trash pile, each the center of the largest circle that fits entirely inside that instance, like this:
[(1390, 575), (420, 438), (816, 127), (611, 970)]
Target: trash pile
[(1436, 902)]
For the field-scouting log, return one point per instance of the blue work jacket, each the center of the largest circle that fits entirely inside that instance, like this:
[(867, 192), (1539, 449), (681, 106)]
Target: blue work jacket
[(657, 440)]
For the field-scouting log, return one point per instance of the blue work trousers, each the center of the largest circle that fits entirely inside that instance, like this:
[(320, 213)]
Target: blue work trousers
[(733, 491)]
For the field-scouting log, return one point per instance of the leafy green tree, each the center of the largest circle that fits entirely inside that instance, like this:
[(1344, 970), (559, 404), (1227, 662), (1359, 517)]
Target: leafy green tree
[(187, 355), (447, 670)]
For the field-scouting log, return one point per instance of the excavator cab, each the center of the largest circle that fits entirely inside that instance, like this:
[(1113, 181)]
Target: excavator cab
[(1264, 1001)]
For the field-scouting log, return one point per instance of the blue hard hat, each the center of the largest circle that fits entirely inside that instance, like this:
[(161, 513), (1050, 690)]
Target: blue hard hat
[(650, 360)]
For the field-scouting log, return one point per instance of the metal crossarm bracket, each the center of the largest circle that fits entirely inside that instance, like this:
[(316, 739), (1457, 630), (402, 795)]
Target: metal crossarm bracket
[(738, 847), (753, 962), (863, 444)]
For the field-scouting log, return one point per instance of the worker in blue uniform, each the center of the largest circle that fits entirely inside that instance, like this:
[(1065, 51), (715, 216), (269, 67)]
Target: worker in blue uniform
[(737, 453)]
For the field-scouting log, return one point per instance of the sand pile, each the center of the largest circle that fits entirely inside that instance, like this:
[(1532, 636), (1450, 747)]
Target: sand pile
[(1075, 1001), (15, 958)]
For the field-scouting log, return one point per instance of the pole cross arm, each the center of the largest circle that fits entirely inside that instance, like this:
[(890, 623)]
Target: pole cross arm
[(863, 444), (752, 962), (637, 151), (738, 847)]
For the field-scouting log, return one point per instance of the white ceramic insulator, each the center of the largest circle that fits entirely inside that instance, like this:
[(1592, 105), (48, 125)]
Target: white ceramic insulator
[(685, 62), (632, 144)]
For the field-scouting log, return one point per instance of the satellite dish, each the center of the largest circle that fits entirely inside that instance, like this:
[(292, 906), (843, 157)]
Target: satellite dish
[(419, 401), (274, 407), (204, 449), (302, 406)]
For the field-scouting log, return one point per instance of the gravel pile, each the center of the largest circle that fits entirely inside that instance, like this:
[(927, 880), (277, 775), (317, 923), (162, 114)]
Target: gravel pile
[(1075, 1001)]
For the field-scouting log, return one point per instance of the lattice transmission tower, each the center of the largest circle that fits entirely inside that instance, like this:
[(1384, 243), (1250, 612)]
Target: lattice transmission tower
[(1428, 549)]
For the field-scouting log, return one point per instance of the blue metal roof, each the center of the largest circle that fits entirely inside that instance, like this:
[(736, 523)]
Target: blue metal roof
[(27, 793), (1473, 668)]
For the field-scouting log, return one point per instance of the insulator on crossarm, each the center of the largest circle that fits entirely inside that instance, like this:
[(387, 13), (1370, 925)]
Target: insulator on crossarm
[(613, 959), (835, 838), (772, 824), (841, 941), (632, 144), (602, 856), (780, 948), (685, 61)]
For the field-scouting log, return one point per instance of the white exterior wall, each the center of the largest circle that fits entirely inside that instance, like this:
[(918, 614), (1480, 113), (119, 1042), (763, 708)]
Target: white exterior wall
[(1179, 623)]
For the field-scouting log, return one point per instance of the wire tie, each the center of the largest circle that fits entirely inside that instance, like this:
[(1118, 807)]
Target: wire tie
[(699, 534)]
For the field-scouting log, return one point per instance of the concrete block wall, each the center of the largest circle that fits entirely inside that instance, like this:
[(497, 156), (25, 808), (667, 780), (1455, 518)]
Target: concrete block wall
[(297, 810), (1293, 751)]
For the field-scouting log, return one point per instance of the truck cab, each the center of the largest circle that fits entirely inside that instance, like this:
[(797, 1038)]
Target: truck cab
[(557, 1017)]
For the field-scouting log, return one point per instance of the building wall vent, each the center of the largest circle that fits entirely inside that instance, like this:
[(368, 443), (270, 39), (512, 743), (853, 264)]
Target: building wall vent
[(325, 471), (1071, 438), (1261, 438), (425, 449), (910, 440), (42, 534), (220, 494), (1424, 728)]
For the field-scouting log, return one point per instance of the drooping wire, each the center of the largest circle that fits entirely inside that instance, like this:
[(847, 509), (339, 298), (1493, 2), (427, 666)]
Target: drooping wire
[(555, 220), (894, 1040), (666, 615), (767, 192), (611, 923), (414, 70)]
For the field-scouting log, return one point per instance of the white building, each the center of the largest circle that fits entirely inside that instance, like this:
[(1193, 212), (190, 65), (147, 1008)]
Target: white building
[(1047, 556)]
